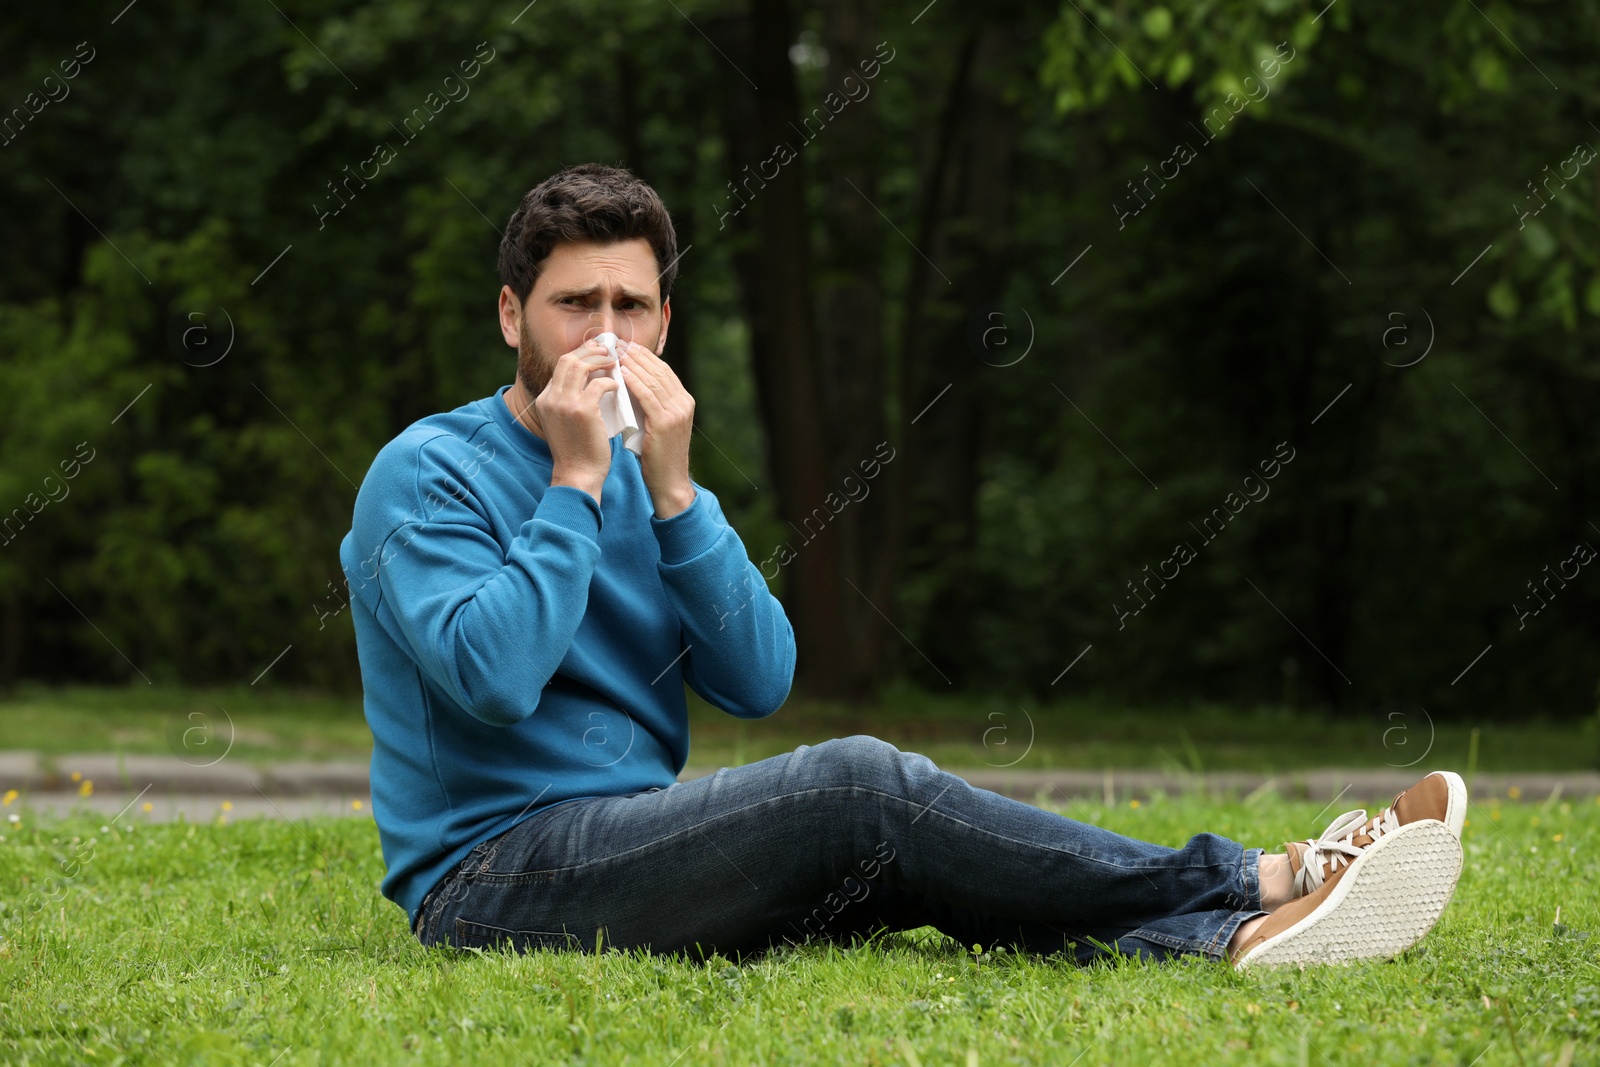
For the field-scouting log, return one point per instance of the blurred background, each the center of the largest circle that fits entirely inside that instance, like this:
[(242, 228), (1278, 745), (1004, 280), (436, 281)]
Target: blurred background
[(1235, 355)]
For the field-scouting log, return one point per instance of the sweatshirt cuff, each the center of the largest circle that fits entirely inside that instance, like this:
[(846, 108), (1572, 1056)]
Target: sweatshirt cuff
[(572, 508), (688, 533)]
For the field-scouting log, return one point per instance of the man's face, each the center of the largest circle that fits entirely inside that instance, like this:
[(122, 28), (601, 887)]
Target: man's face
[(585, 289)]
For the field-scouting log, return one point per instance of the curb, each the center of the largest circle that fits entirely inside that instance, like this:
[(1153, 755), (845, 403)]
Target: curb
[(1331, 784), (28, 772)]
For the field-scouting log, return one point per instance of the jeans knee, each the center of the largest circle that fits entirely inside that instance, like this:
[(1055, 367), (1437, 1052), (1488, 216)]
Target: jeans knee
[(858, 758), (1213, 847)]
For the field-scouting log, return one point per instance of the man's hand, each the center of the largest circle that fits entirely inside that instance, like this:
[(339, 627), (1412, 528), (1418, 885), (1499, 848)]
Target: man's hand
[(569, 414), (666, 413)]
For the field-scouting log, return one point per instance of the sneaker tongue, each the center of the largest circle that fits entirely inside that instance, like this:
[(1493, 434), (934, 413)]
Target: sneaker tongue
[(1360, 837)]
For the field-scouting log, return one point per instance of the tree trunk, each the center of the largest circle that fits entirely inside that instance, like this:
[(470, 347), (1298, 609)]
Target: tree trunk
[(774, 271), (964, 230), (11, 636), (851, 331)]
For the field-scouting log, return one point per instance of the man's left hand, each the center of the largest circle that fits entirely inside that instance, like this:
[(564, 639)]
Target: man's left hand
[(666, 417)]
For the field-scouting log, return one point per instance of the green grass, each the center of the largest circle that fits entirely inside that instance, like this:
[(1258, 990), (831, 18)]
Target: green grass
[(261, 724), (261, 942), (965, 731)]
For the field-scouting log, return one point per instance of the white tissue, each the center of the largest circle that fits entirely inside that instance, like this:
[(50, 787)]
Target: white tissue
[(616, 407)]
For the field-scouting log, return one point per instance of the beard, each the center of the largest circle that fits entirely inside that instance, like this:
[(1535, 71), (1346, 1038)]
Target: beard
[(534, 364)]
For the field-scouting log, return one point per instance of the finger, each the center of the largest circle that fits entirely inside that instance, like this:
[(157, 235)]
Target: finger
[(652, 398), (590, 348), (640, 389), (652, 369), (664, 396), (582, 403), (632, 373), (601, 386), (572, 370), (586, 400), (647, 358)]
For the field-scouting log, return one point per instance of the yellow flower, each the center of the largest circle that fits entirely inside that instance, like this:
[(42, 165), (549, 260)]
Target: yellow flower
[(11, 794), (1133, 803), (355, 805), (77, 776), (86, 788), (1558, 837), (149, 806), (227, 805), (1513, 792)]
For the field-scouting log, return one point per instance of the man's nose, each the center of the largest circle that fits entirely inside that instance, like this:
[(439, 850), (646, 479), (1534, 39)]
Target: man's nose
[(600, 322)]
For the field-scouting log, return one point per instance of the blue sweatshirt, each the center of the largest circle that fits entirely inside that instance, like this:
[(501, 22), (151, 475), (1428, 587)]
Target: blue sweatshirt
[(522, 645)]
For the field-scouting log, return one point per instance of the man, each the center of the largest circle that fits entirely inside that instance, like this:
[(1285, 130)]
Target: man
[(530, 598)]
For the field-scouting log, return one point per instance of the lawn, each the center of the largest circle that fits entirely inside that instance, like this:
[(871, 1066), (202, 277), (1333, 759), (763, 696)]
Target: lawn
[(963, 731), (261, 942)]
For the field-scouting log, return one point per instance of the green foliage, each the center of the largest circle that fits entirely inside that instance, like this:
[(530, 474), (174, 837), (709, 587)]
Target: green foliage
[(1222, 310), (1096, 50), (203, 539), (1416, 161)]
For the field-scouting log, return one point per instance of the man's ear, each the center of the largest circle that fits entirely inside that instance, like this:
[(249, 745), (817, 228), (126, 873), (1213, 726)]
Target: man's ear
[(666, 320), (510, 316)]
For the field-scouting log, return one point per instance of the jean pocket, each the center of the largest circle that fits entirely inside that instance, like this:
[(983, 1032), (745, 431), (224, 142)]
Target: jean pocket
[(477, 935)]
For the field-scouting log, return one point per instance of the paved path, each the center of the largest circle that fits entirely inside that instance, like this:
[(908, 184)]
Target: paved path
[(165, 787)]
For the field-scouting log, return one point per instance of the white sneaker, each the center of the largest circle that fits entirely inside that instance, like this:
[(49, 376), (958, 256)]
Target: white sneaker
[(1377, 905)]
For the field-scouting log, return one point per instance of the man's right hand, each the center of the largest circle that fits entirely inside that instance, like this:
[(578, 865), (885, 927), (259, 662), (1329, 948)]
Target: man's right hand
[(569, 412)]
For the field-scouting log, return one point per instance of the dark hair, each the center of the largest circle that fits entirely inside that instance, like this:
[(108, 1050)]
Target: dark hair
[(588, 202)]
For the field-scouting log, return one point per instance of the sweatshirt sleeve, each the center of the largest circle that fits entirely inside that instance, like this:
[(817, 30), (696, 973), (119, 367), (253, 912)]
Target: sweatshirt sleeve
[(740, 646), (489, 627)]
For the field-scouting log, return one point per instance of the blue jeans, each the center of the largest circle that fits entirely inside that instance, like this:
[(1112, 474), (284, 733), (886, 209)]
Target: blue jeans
[(831, 841)]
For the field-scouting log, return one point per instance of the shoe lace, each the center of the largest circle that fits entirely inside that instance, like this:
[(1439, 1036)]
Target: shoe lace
[(1336, 845)]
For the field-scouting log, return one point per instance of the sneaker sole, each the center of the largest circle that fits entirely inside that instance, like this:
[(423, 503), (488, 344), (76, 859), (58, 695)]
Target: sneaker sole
[(1455, 815), (1387, 900)]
